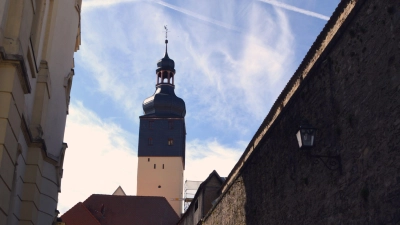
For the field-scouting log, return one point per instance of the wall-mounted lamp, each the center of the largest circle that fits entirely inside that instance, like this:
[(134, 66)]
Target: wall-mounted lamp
[(306, 136), (306, 139)]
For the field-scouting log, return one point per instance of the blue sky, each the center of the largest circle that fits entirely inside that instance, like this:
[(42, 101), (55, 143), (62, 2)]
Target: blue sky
[(232, 59)]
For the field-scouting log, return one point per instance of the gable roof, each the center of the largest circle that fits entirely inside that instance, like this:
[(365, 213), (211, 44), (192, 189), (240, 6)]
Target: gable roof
[(119, 191), (140, 210), (79, 215), (200, 190)]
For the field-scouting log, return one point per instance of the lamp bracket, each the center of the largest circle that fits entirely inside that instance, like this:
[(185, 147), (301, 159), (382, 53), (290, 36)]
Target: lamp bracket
[(330, 162)]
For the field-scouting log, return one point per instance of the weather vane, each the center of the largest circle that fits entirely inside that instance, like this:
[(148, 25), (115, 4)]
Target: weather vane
[(166, 31)]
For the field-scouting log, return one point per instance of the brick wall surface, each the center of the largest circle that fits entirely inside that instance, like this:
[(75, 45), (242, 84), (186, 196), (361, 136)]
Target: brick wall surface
[(353, 98)]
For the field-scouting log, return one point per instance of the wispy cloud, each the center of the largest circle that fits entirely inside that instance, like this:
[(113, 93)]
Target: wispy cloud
[(198, 16), (237, 79), (295, 9), (91, 4)]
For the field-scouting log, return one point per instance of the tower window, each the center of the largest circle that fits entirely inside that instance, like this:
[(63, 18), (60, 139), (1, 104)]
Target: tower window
[(163, 166), (151, 124), (150, 141), (170, 141), (148, 159), (170, 124), (159, 186), (154, 166)]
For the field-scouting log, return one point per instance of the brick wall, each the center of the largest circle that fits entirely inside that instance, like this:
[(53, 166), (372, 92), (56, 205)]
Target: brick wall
[(352, 96)]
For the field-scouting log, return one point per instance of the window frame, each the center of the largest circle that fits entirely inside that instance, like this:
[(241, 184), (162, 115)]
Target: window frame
[(151, 124)]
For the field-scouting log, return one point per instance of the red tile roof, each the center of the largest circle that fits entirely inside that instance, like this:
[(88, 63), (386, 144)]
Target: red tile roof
[(132, 210), (79, 215)]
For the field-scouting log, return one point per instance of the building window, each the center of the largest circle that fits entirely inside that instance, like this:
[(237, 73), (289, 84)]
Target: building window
[(151, 124), (170, 124), (148, 159), (150, 141), (163, 166), (196, 205), (154, 166), (170, 141), (159, 186)]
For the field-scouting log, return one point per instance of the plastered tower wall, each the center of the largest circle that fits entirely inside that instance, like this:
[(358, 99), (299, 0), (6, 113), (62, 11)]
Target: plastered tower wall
[(37, 41), (161, 176)]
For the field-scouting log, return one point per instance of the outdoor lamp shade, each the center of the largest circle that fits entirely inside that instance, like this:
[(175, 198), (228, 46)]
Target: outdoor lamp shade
[(305, 137)]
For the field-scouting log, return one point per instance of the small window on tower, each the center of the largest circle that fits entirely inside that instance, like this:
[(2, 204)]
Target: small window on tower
[(170, 124), (151, 124), (163, 166), (154, 166), (148, 159), (170, 141), (150, 141)]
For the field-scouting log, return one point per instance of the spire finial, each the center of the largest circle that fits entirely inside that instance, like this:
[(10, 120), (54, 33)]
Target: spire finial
[(166, 32), (166, 40)]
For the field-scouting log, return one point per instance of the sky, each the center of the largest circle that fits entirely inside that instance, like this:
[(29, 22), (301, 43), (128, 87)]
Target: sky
[(232, 60)]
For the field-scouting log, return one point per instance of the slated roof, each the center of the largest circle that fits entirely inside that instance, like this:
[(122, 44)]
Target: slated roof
[(133, 210), (163, 103), (79, 215)]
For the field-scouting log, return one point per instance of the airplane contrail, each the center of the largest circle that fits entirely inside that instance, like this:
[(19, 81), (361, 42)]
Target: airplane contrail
[(295, 9), (103, 3), (198, 16)]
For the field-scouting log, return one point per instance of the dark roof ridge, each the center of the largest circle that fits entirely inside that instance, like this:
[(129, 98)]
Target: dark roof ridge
[(108, 195), (72, 207)]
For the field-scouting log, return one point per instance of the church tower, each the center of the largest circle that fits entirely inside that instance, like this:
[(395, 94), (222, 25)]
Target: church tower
[(162, 138)]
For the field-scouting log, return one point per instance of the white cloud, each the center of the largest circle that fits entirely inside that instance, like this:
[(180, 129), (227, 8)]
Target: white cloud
[(99, 158), (204, 156)]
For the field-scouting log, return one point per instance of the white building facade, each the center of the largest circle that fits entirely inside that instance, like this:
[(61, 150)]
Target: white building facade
[(38, 39)]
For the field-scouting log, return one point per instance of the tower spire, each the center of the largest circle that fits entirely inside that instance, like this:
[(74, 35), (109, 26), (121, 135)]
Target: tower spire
[(162, 138), (165, 66)]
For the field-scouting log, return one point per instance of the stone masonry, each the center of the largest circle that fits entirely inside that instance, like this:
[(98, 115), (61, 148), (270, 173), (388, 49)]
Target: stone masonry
[(348, 87)]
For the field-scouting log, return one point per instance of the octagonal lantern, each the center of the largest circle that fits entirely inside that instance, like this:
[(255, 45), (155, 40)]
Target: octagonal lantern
[(306, 136)]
